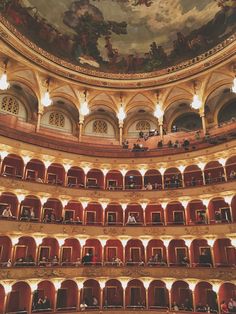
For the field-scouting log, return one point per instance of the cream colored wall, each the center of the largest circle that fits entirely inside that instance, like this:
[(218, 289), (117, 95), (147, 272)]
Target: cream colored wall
[(67, 127), (22, 115), (88, 130)]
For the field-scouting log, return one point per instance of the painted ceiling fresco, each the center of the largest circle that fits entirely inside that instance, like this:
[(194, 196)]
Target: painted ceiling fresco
[(123, 36)]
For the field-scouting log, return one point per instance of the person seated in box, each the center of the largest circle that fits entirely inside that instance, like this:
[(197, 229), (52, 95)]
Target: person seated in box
[(131, 220), (7, 212)]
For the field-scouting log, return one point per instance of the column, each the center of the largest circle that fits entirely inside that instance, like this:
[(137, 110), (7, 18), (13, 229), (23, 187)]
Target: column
[(124, 290), (39, 116), (26, 160), (82, 243), (142, 182), (146, 286), (215, 288), (104, 206), (85, 180), (124, 205), (144, 217), (166, 243), (123, 182), (225, 173), (121, 124), (124, 283), (84, 205), (14, 241), (103, 216), (7, 289), (161, 130), (5, 300), (170, 299), (123, 172), (206, 203), (203, 123), (222, 161), (145, 244), (192, 285), (81, 123), (101, 298), (124, 242), (102, 286), (182, 177), (228, 200), (103, 244), (47, 163), (188, 244), (211, 244), (66, 168), (60, 242), (20, 197), (38, 241), (184, 203), (55, 300), (79, 297), (164, 206)]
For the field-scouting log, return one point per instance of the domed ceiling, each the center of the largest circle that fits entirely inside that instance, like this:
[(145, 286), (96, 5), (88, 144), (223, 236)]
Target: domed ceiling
[(123, 36)]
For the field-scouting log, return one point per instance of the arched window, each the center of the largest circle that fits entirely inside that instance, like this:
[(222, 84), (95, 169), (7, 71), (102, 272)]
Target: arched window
[(57, 119), (143, 125), (100, 126), (227, 112), (10, 104)]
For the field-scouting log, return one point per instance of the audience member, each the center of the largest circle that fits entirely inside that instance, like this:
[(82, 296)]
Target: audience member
[(224, 308), (83, 306), (149, 186), (175, 306), (131, 219), (94, 301), (7, 212)]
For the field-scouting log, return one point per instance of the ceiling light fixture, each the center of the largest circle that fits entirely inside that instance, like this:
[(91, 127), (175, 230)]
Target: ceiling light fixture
[(121, 115), (46, 100), (4, 84), (84, 108), (159, 112), (196, 103)]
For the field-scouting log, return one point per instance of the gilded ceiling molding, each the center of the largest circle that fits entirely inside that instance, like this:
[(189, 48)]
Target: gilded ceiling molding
[(217, 56)]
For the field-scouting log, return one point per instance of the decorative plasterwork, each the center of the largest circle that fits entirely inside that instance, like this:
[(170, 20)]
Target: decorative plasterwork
[(216, 56)]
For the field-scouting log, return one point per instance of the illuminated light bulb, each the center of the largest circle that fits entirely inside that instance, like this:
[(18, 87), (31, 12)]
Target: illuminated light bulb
[(181, 168), (4, 154), (158, 113), (123, 172), (46, 100), (67, 167), (196, 103), (4, 84), (105, 171), (162, 170), (121, 115), (86, 169), (47, 163), (84, 108)]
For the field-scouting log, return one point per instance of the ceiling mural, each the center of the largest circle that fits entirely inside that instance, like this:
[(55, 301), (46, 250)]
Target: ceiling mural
[(123, 36)]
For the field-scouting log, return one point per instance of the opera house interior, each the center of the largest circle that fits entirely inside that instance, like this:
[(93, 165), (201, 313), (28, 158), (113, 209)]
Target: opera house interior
[(117, 156)]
